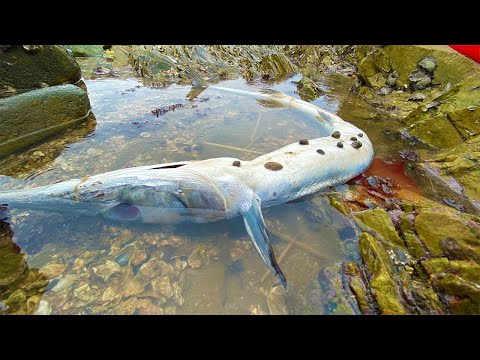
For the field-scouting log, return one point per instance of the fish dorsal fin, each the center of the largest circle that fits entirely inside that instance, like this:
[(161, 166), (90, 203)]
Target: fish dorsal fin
[(257, 231)]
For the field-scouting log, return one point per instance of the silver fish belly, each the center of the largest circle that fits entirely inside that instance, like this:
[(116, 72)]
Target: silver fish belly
[(218, 188)]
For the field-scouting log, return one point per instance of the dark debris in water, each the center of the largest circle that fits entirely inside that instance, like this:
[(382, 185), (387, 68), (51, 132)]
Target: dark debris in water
[(165, 109)]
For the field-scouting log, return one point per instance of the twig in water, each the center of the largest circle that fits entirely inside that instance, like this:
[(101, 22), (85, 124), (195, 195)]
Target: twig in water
[(234, 148), (298, 243)]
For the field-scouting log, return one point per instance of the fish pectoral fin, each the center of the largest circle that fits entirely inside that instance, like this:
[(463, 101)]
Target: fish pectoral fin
[(257, 231)]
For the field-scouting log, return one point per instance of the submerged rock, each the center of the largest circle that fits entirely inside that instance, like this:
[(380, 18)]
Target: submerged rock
[(106, 269), (35, 115), (53, 269), (43, 308)]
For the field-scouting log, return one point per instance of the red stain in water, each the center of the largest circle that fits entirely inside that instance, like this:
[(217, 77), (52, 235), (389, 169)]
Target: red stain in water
[(385, 176)]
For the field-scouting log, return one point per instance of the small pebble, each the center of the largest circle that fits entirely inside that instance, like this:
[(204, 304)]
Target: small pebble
[(340, 144), (321, 152), (336, 134), (303, 142), (236, 163), (353, 138), (361, 135)]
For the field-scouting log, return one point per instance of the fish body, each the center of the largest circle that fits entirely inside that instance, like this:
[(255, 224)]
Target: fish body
[(217, 188)]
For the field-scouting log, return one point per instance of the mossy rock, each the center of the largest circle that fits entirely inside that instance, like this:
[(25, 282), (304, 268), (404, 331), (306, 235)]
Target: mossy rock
[(464, 295), (414, 245), (379, 221), (456, 116), (436, 131), (435, 227), (379, 269), (12, 265), (451, 66), (86, 50), (467, 270), (50, 64), (35, 115), (458, 169)]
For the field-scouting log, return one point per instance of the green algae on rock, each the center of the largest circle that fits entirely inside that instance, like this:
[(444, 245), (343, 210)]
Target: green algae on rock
[(379, 221), (434, 227), (456, 117), (37, 114), (24, 70), (380, 272)]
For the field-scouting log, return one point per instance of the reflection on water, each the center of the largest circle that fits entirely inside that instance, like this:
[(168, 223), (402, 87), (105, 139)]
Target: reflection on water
[(94, 266)]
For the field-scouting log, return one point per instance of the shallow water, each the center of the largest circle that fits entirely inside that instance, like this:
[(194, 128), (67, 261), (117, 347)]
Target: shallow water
[(96, 267)]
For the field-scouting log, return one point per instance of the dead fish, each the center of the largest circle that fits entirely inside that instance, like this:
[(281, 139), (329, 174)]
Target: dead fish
[(213, 189)]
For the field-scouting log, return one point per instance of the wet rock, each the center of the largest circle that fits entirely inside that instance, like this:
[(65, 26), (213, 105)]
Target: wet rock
[(12, 263), (43, 308), (379, 221), (451, 66), (37, 114), (419, 79), (83, 292), (162, 286), (170, 310), (95, 51), (276, 301), (106, 269), (53, 269), (464, 296), (138, 257), (457, 170), (63, 284), (429, 64), (380, 273), (32, 303), (391, 79), (147, 307), (434, 227), (152, 269), (17, 299), (133, 286), (308, 89), (50, 64), (198, 257), (180, 264), (414, 245), (468, 270), (417, 97), (384, 90), (451, 121), (334, 294)]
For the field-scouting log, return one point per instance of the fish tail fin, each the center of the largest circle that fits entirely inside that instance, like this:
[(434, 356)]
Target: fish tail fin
[(256, 229)]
